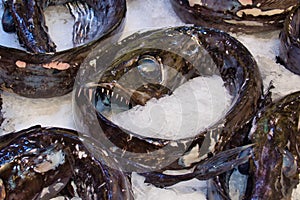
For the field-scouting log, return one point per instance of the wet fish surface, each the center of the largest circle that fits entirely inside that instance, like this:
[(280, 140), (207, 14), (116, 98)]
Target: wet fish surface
[(98, 86), (234, 15), (289, 51), (43, 163), (43, 71), (273, 167)]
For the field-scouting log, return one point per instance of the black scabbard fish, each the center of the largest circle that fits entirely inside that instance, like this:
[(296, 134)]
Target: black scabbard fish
[(29, 21), (40, 70), (289, 51), (26, 17), (43, 163), (274, 165), (273, 168), (246, 16), (31, 27), (205, 52)]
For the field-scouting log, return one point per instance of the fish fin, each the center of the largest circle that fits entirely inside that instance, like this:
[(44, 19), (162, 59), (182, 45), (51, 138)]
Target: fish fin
[(205, 170), (222, 162)]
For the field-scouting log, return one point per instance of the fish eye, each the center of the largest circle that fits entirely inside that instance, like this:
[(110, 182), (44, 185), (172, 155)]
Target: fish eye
[(150, 69)]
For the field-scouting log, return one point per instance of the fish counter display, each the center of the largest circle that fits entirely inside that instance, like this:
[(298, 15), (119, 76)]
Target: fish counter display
[(159, 109)]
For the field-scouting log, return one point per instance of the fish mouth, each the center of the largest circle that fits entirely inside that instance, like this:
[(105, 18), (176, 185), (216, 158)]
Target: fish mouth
[(138, 77), (114, 95)]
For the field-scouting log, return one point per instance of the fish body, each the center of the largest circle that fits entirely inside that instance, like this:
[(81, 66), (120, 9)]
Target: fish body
[(246, 16), (29, 22), (45, 71), (289, 51), (103, 80), (43, 163), (26, 17), (274, 166)]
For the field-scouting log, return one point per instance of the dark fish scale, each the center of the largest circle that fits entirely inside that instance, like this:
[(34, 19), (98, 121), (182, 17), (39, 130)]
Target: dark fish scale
[(273, 168), (276, 131), (230, 15), (30, 25), (29, 21), (7, 21), (54, 162), (242, 79), (36, 75), (289, 51)]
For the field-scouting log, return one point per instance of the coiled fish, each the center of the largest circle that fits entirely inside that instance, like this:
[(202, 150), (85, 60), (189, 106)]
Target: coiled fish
[(273, 167), (99, 82), (39, 73), (247, 16), (289, 51), (27, 18), (43, 163)]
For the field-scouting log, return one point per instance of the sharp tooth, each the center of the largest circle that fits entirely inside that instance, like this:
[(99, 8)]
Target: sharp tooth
[(112, 94), (90, 94), (102, 90), (121, 99), (127, 102), (107, 92), (117, 96)]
